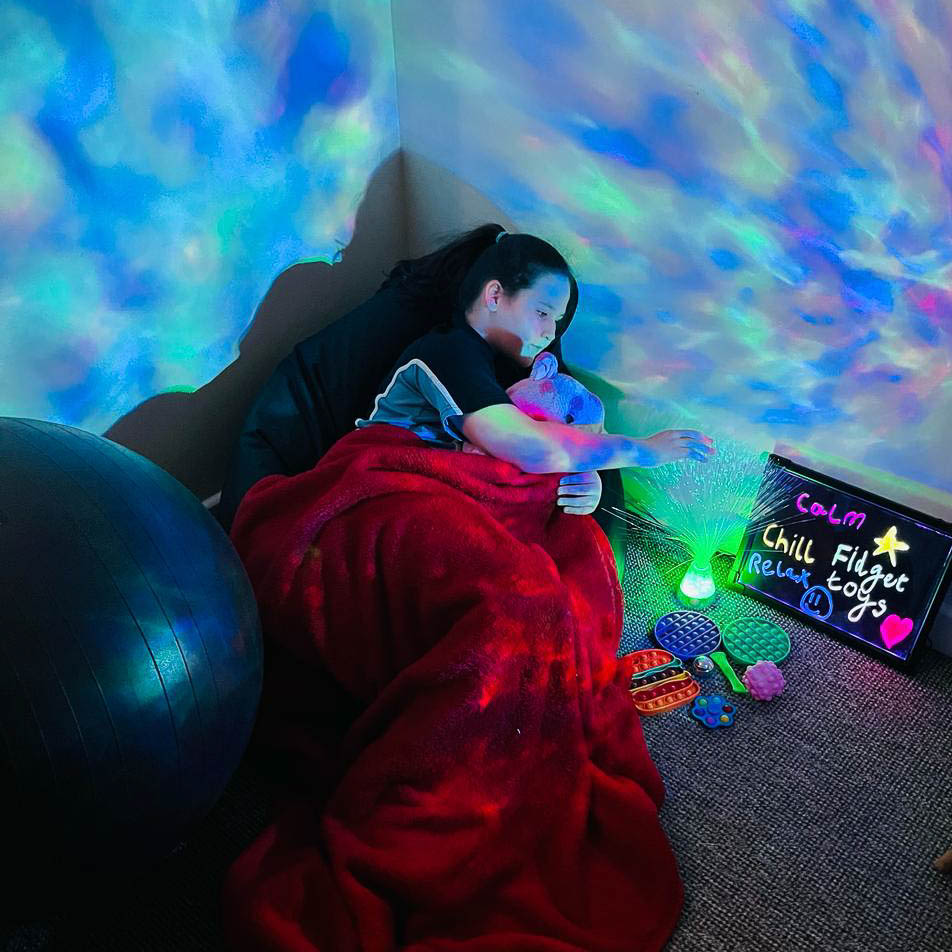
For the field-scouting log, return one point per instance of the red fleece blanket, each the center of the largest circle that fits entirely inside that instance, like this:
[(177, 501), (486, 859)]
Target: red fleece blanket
[(469, 771)]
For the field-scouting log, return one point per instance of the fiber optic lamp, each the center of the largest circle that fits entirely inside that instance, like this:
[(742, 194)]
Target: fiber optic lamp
[(697, 587)]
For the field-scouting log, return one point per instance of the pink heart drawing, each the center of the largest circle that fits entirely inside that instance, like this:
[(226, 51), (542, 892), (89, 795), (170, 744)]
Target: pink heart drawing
[(894, 629)]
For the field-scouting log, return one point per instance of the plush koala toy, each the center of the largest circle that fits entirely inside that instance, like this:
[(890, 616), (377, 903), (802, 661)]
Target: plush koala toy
[(558, 398)]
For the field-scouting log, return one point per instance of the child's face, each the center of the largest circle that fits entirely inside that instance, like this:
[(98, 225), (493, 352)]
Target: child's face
[(525, 324)]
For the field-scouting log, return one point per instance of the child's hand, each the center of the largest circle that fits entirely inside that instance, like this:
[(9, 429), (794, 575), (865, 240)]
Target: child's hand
[(579, 493), (669, 446)]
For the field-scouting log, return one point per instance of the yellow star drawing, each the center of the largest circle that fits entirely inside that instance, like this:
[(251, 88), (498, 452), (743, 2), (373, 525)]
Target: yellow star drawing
[(889, 544)]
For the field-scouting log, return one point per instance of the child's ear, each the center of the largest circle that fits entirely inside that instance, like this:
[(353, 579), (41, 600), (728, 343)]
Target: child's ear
[(544, 366)]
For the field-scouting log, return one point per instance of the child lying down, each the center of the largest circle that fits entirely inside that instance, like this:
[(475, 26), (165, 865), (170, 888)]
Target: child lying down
[(465, 768)]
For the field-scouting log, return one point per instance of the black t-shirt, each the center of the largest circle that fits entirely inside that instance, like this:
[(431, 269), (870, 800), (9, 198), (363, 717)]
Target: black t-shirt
[(446, 373)]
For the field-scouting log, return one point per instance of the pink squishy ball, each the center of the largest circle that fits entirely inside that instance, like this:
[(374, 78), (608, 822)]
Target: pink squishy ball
[(763, 680)]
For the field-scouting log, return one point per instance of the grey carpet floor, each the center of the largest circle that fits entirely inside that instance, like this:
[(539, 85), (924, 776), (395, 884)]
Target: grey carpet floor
[(810, 824)]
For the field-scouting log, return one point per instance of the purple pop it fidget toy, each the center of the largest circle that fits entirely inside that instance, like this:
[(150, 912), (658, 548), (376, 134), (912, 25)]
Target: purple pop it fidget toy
[(763, 680)]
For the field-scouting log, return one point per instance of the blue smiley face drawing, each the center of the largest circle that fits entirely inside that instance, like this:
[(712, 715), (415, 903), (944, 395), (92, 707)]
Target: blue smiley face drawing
[(817, 601)]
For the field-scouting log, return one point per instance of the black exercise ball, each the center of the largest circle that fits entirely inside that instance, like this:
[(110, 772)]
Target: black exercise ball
[(130, 657)]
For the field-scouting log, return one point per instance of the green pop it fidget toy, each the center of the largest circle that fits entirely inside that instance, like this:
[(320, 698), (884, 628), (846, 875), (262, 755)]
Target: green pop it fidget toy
[(751, 639)]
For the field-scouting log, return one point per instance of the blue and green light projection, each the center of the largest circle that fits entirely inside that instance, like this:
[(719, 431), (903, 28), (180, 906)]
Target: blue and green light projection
[(755, 196), (161, 164)]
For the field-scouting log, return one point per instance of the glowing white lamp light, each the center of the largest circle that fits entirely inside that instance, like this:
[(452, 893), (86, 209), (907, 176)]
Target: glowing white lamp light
[(697, 587)]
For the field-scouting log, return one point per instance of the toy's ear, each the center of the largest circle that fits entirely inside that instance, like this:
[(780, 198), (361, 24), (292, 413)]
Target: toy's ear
[(545, 365)]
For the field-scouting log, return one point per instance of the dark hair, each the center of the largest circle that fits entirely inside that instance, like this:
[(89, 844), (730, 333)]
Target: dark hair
[(450, 278)]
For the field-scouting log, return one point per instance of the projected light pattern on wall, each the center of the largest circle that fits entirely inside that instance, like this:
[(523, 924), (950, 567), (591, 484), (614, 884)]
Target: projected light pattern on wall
[(161, 164), (755, 194), (755, 197)]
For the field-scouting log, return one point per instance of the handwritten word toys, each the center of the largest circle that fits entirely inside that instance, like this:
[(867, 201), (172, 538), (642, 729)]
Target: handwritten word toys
[(764, 681), (659, 682)]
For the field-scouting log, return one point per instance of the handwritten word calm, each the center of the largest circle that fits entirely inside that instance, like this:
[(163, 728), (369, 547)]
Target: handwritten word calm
[(852, 519)]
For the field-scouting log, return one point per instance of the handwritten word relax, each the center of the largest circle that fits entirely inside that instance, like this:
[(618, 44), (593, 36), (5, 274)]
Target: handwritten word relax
[(757, 563), (788, 546), (852, 519)]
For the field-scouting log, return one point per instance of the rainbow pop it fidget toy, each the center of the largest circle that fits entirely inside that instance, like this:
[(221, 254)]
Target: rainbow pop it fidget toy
[(713, 710), (660, 683)]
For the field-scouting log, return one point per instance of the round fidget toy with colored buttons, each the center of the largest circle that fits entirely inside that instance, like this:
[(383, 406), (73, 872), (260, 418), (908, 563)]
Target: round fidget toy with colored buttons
[(713, 710), (687, 634), (751, 639)]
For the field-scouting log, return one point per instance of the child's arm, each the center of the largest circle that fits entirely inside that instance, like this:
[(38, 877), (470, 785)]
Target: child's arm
[(576, 450), (538, 446)]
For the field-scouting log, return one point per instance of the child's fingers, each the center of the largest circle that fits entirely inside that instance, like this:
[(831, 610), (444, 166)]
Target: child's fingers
[(578, 502), (575, 479)]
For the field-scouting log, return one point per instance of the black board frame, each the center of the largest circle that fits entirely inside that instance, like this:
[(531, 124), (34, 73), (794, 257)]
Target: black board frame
[(832, 482)]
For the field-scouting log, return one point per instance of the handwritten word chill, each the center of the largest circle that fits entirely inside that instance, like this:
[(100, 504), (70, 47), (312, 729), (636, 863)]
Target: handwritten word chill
[(788, 546)]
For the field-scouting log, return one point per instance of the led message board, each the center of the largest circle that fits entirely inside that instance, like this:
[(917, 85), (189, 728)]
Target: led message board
[(854, 564)]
